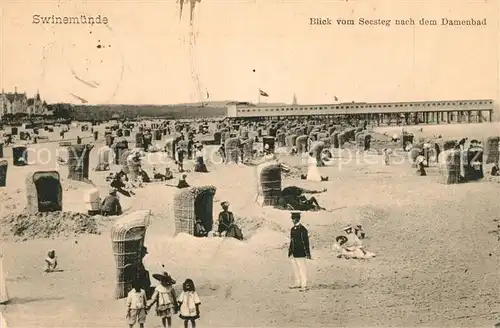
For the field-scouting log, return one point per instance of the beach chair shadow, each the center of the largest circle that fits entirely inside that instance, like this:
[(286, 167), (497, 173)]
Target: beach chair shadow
[(26, 300), (333, 286)]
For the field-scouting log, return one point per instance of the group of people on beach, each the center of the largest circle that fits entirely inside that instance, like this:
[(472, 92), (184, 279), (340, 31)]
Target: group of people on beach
[(168, 304)]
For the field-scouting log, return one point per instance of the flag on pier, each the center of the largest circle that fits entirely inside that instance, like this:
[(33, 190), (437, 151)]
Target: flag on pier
[(263, 93), (335, 97)]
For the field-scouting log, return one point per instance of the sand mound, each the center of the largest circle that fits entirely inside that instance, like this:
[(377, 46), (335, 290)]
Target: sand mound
[(23, 226)]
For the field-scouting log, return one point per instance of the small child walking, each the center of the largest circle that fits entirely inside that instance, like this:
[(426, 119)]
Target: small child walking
[(189, 304), (136, 305), (386, 154), (165, 298)]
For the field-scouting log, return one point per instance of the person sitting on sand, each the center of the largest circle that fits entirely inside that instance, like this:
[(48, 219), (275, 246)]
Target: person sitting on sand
[(181, 184), (143, 175), (350, 252), (51, 261), (111, 204), (495, 171), (227, 224), (358, 231), (352, 239), (199, 229)]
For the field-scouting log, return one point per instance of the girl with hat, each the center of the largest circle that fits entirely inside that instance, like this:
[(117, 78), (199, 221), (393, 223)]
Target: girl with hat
[(165, 298)]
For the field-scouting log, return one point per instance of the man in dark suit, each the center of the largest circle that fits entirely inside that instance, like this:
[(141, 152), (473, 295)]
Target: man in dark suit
[(299, 251)]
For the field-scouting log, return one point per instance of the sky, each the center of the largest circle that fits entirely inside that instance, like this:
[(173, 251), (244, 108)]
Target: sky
[(149, 55)]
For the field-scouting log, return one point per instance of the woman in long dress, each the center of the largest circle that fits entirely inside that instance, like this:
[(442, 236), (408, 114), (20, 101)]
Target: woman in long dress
[(313, 173), (4, 296)]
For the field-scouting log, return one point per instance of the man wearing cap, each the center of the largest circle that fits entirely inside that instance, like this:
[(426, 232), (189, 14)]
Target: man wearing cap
[(111, 204), (226, 218), (299, 251)]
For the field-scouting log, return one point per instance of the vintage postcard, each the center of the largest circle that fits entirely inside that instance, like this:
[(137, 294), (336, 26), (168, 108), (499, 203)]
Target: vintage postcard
[(249, 163)]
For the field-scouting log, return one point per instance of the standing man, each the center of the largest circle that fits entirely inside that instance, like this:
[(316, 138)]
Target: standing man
[(299, 251)]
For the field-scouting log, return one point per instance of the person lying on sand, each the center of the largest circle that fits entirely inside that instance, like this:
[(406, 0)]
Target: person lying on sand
[(297, 191), (163, 177), (51, 261), (299, 203), (118, 183)]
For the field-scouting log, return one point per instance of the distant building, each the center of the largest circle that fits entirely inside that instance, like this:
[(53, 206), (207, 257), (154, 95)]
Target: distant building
[(13, 103), (477, 110)]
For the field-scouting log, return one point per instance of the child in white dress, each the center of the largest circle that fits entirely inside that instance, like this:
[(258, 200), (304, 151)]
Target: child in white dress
[(189, 304), (51, 261)]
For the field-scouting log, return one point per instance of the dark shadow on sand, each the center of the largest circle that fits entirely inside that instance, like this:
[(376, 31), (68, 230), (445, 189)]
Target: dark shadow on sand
[(26, 300)]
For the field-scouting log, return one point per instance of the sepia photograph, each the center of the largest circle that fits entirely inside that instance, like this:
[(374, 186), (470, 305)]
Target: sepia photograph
[(249, 163)]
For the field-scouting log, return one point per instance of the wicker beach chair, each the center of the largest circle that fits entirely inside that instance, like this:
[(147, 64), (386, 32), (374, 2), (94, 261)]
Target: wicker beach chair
[(4, 164), (449, 167), (78, 162), (127, 237), (193, 203), (491, 150), (269, 184), (43, 192), (281, 139), (291, 140), (233, 152), (317, 150)]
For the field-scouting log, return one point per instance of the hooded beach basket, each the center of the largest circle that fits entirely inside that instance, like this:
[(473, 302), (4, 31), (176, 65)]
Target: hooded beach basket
[(43, 192), (193, 203), (3, 172), (449, 166), (78, 162), (248, 149), (233, 152), (491, 150), (290, 140), (127, 238), (269, 184), (301, 144)]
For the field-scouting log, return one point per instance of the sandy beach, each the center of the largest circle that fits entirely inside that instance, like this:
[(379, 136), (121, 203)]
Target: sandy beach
[(436, 266)]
